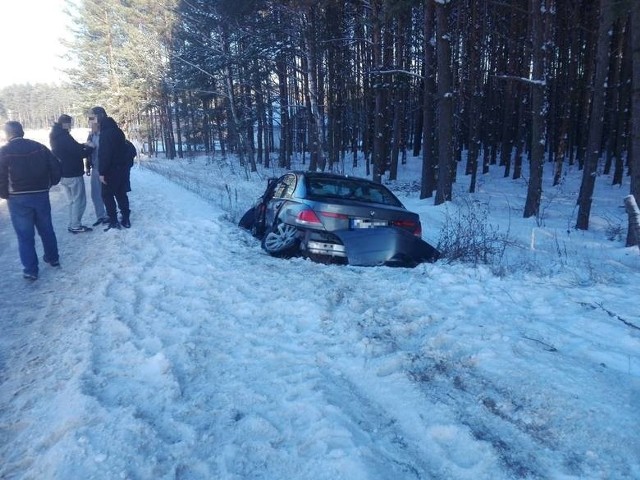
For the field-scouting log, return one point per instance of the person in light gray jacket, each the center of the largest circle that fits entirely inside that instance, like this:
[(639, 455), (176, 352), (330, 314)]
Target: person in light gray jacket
[(92, 168)]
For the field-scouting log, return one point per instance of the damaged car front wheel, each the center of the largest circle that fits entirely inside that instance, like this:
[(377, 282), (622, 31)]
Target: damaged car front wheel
[(282, 240)]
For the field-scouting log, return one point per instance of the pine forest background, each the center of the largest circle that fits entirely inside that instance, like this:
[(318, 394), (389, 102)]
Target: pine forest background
[(518, 85)]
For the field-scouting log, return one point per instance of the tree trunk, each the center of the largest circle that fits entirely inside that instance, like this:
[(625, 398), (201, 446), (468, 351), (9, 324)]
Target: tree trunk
[(474, 75), (623, 115), (521, 133), (284, 156), (400, 93), (613, 101), (445, 106), (316, 122), (176, 104), (428, 180), (563, 91), (635, 117), (597, 117), (379, 105), (167, 124), (510, 115), (633, 211), (536, 157)]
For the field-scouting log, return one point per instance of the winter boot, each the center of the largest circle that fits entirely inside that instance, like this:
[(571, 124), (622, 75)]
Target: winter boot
[(125, 220), (113, 223)]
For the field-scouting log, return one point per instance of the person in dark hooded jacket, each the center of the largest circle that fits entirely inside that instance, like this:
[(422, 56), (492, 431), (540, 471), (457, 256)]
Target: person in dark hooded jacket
[(113, 168), (71, 155)]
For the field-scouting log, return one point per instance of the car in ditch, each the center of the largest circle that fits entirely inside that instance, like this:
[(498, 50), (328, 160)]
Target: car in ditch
[(333, 218)]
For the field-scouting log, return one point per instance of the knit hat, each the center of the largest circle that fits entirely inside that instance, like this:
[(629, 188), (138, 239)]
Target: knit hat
[(64, 118)]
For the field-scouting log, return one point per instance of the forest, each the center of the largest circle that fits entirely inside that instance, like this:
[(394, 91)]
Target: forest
[(517, 85)]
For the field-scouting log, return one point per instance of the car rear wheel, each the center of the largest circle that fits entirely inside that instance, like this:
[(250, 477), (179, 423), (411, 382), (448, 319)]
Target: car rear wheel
[(282, 240)]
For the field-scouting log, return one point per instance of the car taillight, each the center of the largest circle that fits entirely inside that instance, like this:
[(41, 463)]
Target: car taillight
[(334, 215), (308, 217), (413, 227)]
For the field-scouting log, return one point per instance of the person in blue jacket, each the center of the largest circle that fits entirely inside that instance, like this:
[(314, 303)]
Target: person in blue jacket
[(71, 155), (28, 169)]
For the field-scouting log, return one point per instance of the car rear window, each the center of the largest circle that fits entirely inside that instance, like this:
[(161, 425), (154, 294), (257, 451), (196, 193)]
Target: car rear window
[(350, 189)]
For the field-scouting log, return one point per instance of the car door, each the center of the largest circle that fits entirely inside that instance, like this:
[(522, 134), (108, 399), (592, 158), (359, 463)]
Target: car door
[(282, 193)]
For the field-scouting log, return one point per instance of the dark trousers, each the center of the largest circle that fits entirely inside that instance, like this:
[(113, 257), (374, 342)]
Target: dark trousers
[(115, 191)]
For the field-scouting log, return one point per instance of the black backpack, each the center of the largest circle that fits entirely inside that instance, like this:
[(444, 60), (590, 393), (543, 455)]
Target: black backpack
[(131, 153)]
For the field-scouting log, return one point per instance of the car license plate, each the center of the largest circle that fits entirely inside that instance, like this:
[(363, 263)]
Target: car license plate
[(367, 223)]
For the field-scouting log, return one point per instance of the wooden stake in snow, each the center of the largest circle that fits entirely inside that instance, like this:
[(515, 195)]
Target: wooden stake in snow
[(634, 217)]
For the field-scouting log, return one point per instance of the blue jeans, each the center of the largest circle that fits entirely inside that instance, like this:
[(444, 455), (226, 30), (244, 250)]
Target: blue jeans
[(30, 212)]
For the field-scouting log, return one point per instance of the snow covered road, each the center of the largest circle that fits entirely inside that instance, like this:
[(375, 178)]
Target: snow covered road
[(179, 350)]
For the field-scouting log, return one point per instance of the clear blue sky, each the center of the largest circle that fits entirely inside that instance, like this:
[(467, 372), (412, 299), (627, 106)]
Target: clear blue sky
[(30, 32)]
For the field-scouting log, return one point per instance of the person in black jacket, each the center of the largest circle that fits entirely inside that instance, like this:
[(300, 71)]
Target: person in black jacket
[(71, 155), (113, 168), (28, 169)]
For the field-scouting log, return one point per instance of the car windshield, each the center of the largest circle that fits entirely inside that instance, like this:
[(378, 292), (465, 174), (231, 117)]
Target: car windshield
[(351, 189)]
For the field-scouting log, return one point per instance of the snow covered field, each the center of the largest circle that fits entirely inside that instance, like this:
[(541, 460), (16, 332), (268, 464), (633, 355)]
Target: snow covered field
[(179, 350)]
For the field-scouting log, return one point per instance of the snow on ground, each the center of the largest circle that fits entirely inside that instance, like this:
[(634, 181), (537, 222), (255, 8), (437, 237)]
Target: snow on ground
[(179, 350)]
